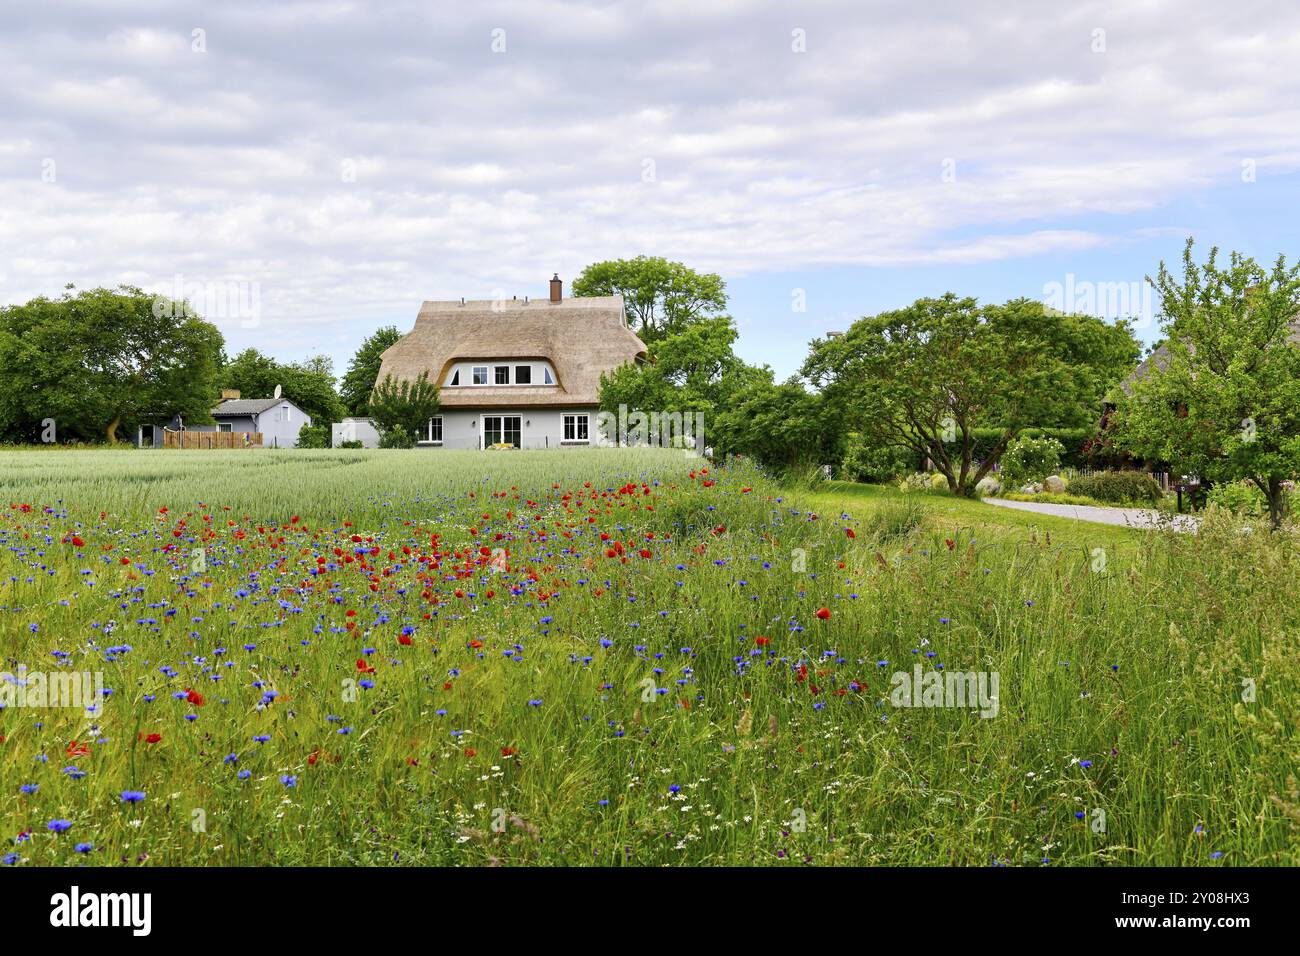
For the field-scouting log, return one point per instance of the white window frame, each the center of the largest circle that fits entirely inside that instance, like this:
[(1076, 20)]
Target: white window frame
[(496, 370), (474, 374), (428, 432), (527, 370), (547, 377), (577, 425), (225, 426), (455, 377)]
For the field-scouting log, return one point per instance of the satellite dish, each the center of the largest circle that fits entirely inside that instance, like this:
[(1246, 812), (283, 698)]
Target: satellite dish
[(277, 391)]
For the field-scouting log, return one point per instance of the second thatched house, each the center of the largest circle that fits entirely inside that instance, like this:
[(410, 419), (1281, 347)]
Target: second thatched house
[(515, 373)]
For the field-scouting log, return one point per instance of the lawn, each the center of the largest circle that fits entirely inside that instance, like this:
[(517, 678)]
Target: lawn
[(617, 657)]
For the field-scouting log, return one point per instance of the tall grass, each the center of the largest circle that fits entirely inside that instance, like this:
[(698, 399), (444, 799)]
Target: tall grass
[(602, 710)]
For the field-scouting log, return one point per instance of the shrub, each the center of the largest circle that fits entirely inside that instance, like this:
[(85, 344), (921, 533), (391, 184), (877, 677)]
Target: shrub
[(354, 443), (1031, 459), (894, 519), (313, 436), (876, 465), (396, 437), (1118, 487)]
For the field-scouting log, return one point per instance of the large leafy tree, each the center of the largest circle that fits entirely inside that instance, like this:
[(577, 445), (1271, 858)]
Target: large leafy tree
[(308, 384), (97, 360), (925, 377), (694, 369), (403, 404), (661, 297), (363, 371), (1226, 403)]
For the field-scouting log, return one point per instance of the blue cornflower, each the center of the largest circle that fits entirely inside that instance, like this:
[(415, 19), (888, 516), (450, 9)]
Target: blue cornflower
[(132, 796), (59, 826)]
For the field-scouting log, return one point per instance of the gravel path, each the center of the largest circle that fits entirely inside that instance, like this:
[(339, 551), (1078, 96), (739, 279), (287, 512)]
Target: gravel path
[(1132, 517)]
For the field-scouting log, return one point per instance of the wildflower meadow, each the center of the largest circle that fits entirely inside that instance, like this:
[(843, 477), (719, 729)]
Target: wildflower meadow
[(622, 656)]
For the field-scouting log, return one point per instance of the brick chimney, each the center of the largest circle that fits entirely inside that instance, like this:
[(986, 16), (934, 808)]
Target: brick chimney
[(229, 394), (557, 288)]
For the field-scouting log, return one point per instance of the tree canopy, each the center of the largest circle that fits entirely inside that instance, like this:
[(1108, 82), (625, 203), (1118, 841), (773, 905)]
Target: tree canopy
[(1226, 403), (308, 384), (661, 297), (363, 371), (97, 360), (926, 376)]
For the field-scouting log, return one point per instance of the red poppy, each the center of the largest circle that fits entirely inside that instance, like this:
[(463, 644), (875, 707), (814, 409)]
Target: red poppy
[(194, 697), (403, 639), (471, 752), (850, 532), (363, 667), (153, 738), (762, 641), (824, 613), (77, 542), (77, 749)]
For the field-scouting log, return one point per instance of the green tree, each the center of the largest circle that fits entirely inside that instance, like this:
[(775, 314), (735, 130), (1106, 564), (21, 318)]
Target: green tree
[(308, 384), (98, 360), (925, 377), (780, 425), (363, 371), (694, 369), (403, 407), (1226, 404), (661, 297)]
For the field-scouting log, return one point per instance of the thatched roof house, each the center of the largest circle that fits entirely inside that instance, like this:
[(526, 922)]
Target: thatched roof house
[(517, 373), (568, 342)]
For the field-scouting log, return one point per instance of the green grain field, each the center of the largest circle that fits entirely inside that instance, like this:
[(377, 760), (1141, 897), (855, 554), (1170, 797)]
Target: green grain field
[(621, 657)]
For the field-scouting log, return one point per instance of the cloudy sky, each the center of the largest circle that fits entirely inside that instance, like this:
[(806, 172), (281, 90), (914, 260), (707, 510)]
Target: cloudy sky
[(339, 162)]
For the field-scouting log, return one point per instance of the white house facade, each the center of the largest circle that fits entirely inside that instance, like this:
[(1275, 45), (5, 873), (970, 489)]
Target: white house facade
[(519, 373)]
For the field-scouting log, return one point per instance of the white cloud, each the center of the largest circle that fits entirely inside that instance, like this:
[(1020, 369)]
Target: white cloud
[(476, 170)]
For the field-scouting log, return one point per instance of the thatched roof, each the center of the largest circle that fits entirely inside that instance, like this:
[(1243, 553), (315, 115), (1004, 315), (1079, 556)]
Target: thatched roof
[(581, 337)]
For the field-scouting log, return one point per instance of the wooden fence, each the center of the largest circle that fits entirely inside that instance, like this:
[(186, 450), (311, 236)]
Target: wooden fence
[(190, 439)]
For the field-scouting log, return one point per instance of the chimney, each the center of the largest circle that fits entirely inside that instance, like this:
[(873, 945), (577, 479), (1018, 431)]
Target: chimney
[(229, 394), (556, 288)]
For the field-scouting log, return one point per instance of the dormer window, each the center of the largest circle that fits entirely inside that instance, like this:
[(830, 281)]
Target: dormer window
[(501, 373)]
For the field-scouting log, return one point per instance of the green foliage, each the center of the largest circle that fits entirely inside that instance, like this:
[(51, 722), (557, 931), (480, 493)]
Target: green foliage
[(1226, 404), (1073, 442), (396, 436), (927, 376), (313, 436), (1245, 498), (1118, 487), (308, 384), (100, 360), (661, 297), (876, 464), (351, 443), (1150, 715), (363, 371), (403, 405), (1031, 459)]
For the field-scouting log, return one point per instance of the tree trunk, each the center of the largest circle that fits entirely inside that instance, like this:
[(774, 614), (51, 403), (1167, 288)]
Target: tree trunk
[(111, 431), (1276, 502)]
